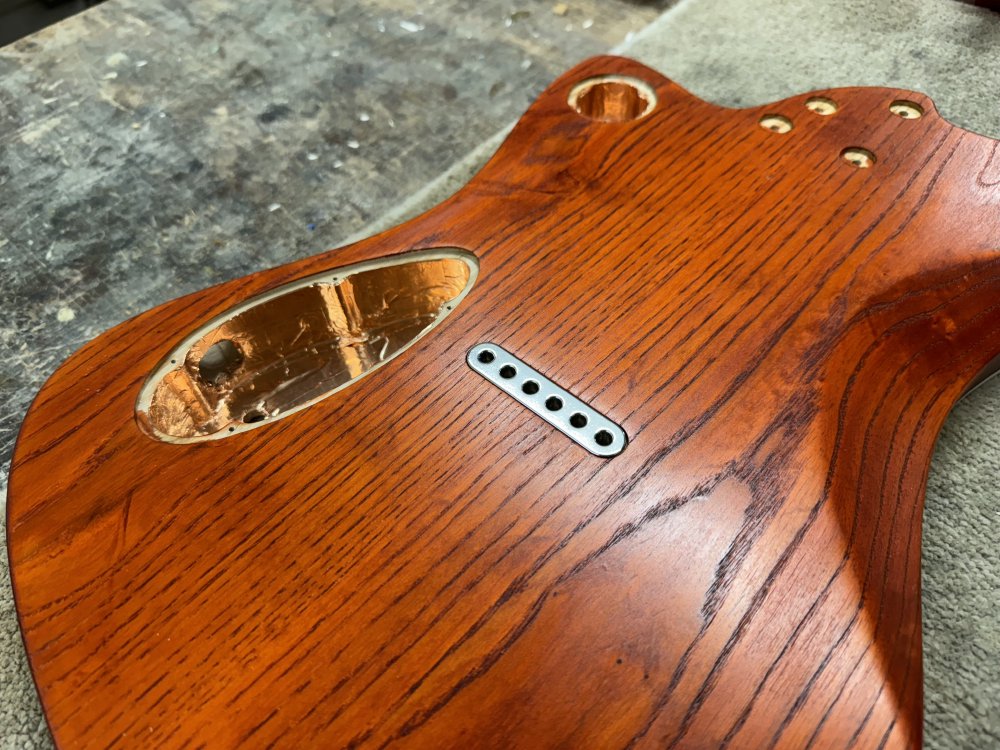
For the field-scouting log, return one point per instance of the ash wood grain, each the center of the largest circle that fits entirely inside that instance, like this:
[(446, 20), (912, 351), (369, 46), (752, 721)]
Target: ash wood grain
[(421, 562)]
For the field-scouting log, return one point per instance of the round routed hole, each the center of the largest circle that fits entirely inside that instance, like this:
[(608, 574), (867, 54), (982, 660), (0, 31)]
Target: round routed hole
[(219, 362), (906, 110), (603, 438), (613, 98), (578, 420), (821, 105), (553, 403), (486, 356), (254, 415), (776, 123), (858, 157), (508, 371), (530, 387)]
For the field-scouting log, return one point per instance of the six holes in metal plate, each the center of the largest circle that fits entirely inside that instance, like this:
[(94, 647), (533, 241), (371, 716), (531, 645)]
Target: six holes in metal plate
[(529, 386)]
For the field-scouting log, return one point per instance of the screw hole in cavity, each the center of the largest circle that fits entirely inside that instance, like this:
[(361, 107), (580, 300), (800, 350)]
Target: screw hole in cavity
[(486, 356), (613, 98), (253, 416), (603, 438), (219, 362)]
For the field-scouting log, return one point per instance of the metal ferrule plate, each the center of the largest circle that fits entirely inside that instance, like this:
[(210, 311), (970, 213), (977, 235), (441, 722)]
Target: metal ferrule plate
[(579, 422)]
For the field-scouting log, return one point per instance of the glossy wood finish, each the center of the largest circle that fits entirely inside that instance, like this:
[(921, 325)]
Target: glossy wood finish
[(421, 562)]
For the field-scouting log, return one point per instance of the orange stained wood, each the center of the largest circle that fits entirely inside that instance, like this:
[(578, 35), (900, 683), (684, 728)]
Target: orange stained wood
[(780, 326)]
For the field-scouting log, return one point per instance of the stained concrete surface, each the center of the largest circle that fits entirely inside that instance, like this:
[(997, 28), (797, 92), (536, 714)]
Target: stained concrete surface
[(237, 151)]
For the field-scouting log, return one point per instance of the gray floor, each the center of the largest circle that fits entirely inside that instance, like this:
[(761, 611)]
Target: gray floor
[(147, 150)]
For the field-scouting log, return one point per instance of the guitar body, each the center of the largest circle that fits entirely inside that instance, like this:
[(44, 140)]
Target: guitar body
[(778, 321)]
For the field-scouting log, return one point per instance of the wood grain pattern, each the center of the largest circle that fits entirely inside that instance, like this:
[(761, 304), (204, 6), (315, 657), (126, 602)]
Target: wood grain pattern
[(421, 562)]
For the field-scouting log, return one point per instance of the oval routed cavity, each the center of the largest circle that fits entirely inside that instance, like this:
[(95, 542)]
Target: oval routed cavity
[(286, 349), (578, 421)]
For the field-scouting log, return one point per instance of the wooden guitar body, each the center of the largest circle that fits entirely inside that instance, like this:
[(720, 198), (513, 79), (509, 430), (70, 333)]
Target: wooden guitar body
[(779, 320)]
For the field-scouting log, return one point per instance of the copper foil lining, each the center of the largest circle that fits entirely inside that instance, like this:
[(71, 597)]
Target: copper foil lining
[(294, 348)]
